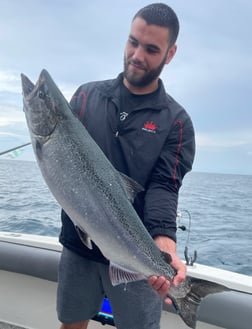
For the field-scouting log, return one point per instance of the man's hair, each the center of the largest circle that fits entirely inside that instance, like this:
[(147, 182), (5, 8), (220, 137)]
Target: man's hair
[(161, 15)]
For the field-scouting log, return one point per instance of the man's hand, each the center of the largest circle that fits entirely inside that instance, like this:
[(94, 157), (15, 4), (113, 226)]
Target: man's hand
[(160, 283)]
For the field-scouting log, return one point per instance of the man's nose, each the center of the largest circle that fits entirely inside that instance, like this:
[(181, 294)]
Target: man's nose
[(139, 54)]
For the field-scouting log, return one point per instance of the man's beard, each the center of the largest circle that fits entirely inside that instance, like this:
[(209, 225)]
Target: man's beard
[(145, 79)]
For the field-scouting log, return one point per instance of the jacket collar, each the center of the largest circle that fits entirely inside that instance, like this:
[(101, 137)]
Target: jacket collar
[(111, 90)]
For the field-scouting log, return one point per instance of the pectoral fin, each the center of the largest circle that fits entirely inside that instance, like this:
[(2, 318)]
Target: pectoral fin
[(119, 275)]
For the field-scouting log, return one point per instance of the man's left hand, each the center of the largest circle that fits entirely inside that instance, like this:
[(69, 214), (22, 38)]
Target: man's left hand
[(159, 283)]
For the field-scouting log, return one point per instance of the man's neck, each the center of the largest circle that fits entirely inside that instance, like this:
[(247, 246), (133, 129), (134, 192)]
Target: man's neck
[(141, 90)]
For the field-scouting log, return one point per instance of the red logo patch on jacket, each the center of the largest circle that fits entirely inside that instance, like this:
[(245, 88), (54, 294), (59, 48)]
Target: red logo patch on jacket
[(150, 127)]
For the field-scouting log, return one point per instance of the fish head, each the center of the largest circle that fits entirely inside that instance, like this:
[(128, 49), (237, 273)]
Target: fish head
[(41, 104)]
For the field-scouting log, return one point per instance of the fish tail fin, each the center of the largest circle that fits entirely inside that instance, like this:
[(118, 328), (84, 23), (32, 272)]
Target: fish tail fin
[(187, 306)]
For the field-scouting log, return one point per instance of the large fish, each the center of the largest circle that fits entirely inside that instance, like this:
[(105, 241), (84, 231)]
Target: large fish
[(97, 198)]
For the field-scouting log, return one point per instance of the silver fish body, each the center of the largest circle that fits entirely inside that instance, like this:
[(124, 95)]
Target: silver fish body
[(96, 197)]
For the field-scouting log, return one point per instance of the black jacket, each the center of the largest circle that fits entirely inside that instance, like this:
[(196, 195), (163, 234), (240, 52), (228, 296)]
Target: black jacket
[(154, 145)]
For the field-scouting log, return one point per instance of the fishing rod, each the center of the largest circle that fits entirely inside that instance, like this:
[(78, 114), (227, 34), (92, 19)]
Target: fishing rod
[(14, 148)]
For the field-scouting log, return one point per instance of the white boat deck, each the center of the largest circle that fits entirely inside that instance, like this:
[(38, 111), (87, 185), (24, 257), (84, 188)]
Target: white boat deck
[(9, 326), (28, 275)]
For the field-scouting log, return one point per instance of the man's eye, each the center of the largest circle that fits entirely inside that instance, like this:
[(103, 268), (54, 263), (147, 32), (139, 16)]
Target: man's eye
[(151, 50), (133, 42)]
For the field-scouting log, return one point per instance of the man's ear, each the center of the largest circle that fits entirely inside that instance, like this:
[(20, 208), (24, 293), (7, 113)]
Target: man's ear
[(170, 54)]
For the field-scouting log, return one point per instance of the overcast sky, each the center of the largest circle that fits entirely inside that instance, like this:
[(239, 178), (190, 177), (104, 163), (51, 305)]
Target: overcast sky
[(78, 41)]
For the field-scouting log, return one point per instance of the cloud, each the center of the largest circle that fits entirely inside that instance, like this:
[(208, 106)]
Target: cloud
[(227, 139), (9, 81), (81, 41), (227, 152), (10, 115)]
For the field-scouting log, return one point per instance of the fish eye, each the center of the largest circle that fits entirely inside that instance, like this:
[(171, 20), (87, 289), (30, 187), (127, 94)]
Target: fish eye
[(41, 94)]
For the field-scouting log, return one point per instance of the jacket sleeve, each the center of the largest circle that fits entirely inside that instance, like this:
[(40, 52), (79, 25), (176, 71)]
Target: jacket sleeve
[(78, 102), (161, 198)]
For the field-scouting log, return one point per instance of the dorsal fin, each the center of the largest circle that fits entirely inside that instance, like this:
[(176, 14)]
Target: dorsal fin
[(132, 188)]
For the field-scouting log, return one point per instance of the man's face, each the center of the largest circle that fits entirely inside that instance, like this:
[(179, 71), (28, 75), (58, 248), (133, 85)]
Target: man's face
[(147, 51)]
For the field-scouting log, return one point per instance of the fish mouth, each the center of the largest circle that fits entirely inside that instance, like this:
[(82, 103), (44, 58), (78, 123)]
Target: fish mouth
[(28, 87), (38, 106)]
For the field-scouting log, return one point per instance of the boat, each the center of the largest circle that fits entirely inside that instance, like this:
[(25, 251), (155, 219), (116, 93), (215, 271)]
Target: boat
[(28, 283)]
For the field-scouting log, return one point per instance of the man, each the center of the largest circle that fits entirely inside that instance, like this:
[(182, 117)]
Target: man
[(148, 136)]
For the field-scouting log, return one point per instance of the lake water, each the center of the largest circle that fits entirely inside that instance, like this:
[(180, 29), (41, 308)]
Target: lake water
[(215, 209)]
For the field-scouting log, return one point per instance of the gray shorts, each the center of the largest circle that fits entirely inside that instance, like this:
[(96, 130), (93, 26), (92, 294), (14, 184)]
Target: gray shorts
[(83, 284)]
